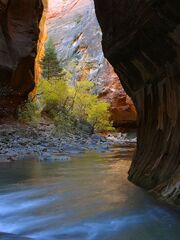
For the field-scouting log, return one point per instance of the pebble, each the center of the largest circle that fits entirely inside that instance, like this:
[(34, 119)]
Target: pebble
[(19, 142)]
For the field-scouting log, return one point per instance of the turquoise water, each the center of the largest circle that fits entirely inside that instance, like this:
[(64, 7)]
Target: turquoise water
[(86, 198)]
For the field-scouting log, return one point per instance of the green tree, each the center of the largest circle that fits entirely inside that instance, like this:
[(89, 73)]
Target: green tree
[(98, 116), (88, 107), (54, 95), (50, 63), (70, 105)]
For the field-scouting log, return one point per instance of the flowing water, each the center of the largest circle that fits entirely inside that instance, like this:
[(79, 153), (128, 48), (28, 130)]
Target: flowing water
[(86, 198)]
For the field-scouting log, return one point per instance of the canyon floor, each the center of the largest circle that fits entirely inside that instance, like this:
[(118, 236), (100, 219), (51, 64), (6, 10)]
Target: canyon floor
[(43, 141)]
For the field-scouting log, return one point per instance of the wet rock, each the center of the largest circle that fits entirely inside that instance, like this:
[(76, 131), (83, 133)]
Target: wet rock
[(46, 146), (54, 157)]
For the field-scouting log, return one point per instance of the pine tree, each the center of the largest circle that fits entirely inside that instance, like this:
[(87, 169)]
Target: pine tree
[(50, 63)]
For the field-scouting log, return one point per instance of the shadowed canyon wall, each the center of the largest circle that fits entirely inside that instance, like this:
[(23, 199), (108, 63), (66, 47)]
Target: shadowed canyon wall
[(74, 29), (19, 33), (141, 39)]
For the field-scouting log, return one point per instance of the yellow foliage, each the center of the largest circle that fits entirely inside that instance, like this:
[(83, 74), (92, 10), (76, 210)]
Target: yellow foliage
[(73, 106), (98, 116), (53, 91)]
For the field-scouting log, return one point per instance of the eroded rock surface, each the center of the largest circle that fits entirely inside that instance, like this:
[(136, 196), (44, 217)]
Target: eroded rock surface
[(73, 26), (142, 42), (19, 33)]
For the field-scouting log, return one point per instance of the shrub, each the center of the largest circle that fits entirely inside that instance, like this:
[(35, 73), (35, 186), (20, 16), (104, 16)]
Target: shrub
[(71, 108), (29, 112), (64, 123), (78, 19), (88, 108), (74, 107), (98, 116), (53, 95)]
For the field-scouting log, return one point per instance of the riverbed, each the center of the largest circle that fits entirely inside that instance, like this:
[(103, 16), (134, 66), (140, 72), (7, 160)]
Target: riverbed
[(84, 197)]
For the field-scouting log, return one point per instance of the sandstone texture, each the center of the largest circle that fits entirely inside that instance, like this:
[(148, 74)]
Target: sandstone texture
[(73, 26), (19, 33), (141, 39)]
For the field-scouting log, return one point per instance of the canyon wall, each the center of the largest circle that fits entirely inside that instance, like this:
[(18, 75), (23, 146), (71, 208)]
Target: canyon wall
[(73, 26), (142, 42), (19, 34)]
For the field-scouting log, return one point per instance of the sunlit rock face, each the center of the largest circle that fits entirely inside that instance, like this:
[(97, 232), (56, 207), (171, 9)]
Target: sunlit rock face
[(40, 45), (73, 26), (19, 32), (142, 42)]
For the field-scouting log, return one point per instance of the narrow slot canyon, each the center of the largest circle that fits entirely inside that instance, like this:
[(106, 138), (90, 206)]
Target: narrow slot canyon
[(70, 176)]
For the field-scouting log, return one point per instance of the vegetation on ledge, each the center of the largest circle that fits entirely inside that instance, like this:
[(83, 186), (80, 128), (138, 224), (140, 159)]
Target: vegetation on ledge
[(71, 107)]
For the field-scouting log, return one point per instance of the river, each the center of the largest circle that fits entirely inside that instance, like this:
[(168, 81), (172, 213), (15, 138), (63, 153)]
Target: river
[(86, 197)]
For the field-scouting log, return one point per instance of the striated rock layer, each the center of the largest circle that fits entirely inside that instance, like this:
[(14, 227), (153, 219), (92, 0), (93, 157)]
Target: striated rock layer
[(142, 42), (73, 26), (19, 33)]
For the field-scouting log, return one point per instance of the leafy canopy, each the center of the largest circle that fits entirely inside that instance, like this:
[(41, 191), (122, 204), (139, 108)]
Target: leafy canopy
[(78, 102)]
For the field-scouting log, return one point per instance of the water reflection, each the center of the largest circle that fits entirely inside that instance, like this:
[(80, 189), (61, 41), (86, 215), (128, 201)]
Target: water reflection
[(87, 197)]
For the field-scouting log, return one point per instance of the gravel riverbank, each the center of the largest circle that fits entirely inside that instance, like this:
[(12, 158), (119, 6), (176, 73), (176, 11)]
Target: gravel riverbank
[(22, 142)]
